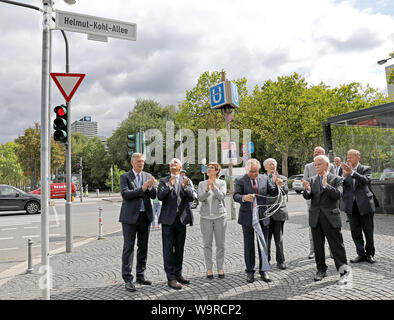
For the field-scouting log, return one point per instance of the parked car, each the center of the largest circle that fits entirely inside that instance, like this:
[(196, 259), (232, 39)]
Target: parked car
[(58, 190), (297, 184), (13, 199)]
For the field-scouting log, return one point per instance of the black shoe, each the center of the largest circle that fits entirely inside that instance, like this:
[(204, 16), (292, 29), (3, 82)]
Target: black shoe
[(221, 275), (210, 276), (143, 281), (182, 280), (174, 284), (320, 275), (358, 259), (250, 277), (130, 286), (265, 277), (282, 266), (370, 259)]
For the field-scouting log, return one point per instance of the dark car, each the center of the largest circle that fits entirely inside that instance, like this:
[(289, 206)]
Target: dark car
[(12, 199)]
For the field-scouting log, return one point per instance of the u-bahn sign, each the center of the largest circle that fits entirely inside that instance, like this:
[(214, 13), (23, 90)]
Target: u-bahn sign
[(95, 26)]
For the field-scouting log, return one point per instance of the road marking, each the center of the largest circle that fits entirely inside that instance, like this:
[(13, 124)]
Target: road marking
[(14, 224), (34, 236), (9, 238), (30, 227), (8, 229), (8, 249), (55, 235), (56, 217), (54, 226)]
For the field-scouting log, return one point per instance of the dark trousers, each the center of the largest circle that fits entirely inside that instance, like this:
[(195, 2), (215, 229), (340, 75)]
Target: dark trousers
[(173, 239), (276, 230), (130, 232), (249, 248), (358, 225), (334, 237)]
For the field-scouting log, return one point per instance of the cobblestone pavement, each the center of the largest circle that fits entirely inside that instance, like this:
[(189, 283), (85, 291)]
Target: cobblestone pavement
[(93, 270)]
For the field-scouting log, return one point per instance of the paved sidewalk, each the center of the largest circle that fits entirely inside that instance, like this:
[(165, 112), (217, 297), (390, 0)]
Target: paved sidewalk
[(93, 270)]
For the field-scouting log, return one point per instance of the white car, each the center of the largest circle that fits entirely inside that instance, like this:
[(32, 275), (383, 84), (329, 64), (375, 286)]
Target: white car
[(297, 183)]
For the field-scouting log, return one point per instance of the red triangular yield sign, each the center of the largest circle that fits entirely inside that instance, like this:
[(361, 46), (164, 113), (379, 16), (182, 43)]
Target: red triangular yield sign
[(67, 83)]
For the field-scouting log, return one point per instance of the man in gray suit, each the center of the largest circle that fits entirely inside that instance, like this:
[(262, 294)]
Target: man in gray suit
[(277, 220), (309, 172), (136, 215), (324, 190)]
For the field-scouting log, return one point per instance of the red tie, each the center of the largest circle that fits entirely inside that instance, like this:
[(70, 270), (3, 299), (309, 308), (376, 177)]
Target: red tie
[(256, 191)]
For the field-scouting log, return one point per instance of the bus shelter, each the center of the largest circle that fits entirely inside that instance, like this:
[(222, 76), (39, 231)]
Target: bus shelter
[(371, 131)]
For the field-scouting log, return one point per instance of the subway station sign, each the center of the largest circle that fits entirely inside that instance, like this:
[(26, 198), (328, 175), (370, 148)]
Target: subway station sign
[(96, 26)]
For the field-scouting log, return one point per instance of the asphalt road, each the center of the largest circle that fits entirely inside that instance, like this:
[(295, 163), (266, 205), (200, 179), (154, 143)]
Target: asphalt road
[(16, 227)]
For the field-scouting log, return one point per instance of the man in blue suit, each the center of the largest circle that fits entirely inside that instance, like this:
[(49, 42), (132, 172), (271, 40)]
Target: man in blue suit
[(175, 192), (136, 215)]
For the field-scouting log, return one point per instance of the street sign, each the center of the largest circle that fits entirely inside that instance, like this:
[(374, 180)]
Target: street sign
[(100, 27), (203, 168), (229, 153), (67, 83), (224, 94), (251, 147)]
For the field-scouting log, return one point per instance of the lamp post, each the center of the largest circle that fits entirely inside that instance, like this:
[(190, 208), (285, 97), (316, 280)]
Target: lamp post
[(383, 61)]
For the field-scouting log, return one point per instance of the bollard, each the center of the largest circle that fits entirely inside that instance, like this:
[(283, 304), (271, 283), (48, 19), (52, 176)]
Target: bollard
[(100, 236), (29, 256)]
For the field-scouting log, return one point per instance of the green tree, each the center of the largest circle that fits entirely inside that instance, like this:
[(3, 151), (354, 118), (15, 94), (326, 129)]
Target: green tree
[(116, 177), (10, 168)]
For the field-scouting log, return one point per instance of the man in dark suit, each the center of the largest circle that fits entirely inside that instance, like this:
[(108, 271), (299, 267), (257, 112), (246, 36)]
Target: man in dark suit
[(338, 168), (246, 192), (136, 215), (359, 205), (324, 190), (175, 192), (277, 220)]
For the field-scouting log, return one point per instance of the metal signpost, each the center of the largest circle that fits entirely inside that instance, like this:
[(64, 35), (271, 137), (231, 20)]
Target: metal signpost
[(224, 96)]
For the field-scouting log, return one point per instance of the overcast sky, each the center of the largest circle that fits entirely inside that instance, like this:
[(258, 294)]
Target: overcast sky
[(332, 41)]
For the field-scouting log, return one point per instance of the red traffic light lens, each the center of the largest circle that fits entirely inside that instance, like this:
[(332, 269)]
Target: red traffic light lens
[(60, 111)]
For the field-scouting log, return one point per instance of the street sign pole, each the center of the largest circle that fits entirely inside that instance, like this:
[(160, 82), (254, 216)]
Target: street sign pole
[(226, 113), (44, 167)]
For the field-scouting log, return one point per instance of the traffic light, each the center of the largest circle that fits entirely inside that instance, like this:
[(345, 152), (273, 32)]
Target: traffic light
[(134, 144), (60, 124)]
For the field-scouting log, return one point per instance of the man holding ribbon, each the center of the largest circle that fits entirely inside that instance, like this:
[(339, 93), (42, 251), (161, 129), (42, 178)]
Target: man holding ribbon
[(251, 191)]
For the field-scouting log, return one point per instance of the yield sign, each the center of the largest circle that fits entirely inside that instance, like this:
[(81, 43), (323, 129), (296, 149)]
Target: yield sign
[(67, 83)]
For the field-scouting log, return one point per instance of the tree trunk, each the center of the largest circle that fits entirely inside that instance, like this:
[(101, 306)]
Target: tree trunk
[(285, 165)]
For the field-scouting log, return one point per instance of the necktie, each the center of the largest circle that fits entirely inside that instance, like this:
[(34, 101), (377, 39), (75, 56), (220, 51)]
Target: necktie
[(256, 191), (270, 176), (139, 180), (321, 182)]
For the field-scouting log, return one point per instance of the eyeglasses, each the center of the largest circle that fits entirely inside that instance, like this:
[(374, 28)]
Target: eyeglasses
[(210, 167)]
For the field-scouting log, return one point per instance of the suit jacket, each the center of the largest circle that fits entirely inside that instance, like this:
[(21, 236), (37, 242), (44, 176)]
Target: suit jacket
[(132, 195), (325, 200), (170, 201), (339, 171), (218, 207), (243, 186), (282, 214), (357, 188), (310, 171)]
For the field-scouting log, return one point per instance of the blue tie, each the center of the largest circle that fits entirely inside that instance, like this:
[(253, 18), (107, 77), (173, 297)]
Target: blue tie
[(140, 185), (321, 182)]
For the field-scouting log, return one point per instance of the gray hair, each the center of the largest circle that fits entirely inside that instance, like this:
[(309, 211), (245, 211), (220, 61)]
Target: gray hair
[(136, 155), (323, 157), (355, 152), (249, 163), (267, 161), (176, 160), (321, 148)]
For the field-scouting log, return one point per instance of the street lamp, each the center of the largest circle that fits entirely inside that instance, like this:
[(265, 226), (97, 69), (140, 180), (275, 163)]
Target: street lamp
[(383, 61)]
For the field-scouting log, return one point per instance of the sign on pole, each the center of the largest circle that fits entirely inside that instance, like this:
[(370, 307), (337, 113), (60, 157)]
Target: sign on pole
[(224, 94), (229, 153), (97, 28), (67, 83)]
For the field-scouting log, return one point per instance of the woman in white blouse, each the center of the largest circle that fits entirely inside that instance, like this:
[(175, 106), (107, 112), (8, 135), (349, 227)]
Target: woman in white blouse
[(211, 194)]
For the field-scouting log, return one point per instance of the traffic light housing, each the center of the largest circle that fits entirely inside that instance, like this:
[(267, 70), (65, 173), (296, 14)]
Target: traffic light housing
[(134, 143), (60, 123)]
